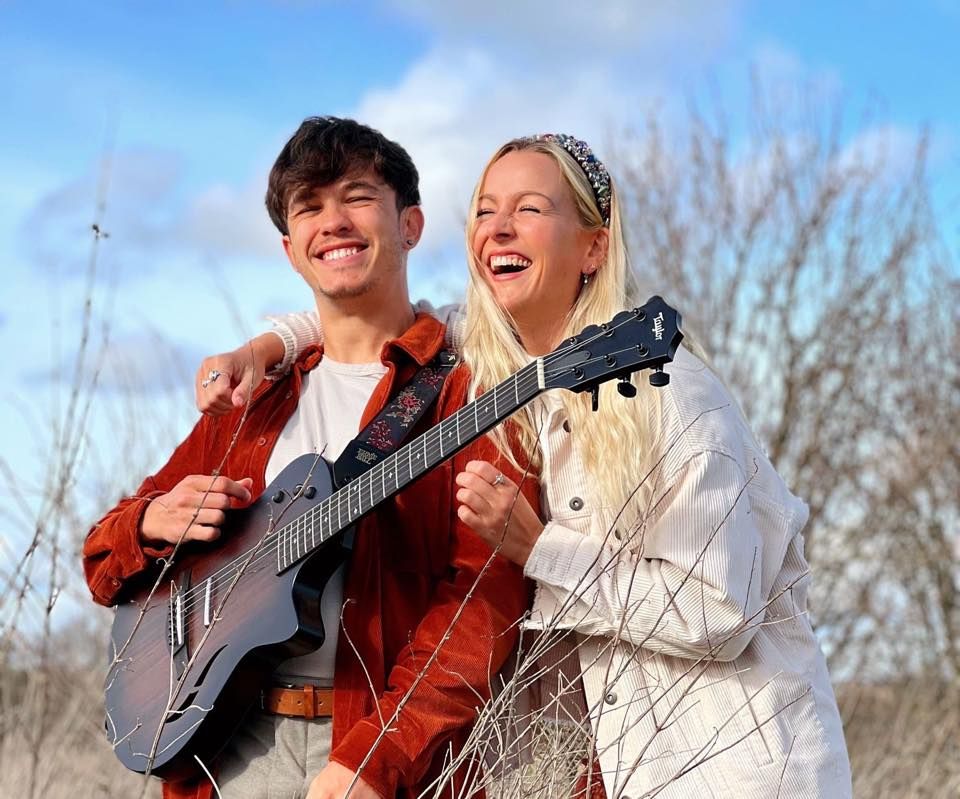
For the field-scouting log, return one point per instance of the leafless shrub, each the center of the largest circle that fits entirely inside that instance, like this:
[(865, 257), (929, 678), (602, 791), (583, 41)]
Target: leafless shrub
[(809, 264)]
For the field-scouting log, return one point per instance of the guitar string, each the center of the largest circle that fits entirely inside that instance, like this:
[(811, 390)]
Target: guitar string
[(283, 536), (289, 534), (229, 568), (433, 445)]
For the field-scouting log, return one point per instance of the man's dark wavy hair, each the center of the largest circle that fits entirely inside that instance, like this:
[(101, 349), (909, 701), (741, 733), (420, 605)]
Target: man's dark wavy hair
[(327, 149)]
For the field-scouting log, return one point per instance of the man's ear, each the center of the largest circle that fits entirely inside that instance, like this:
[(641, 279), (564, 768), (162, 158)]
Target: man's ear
[(411, 225), (288, 249)]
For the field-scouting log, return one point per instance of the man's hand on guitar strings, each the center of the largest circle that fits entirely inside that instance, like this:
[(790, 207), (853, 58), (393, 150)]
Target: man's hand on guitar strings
[(168, 515)]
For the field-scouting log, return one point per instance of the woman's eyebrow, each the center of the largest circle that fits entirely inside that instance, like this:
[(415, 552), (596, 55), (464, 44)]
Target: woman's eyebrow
[(518, 195)]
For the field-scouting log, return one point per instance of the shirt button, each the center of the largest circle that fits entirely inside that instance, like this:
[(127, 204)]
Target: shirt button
[(618, 535), (566, 425), (576, 503), (262, 441), (610, 698)]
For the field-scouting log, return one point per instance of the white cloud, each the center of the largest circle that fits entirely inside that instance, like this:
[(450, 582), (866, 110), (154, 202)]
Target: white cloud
[(452, 109), (229, 220), (567, 30)]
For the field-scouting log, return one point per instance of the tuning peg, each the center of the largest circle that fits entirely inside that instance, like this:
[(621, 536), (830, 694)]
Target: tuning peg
[(626, 388), (659, 378), (595, 398)]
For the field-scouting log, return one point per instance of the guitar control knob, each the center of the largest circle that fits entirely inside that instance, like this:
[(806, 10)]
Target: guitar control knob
[(278, 497), (659, 378), (310, 492), (626, 388)]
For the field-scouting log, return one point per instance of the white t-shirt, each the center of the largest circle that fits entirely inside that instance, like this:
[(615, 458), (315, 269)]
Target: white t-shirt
[(327, 418)]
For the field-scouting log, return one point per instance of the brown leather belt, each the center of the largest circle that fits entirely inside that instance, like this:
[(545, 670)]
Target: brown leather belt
[(308, 702)]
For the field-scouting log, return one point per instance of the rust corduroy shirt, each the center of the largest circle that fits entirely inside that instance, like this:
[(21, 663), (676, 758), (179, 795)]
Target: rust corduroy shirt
[(413, 564)]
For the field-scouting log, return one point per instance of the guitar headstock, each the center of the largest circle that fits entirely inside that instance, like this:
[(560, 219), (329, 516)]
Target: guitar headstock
[(643, 338)]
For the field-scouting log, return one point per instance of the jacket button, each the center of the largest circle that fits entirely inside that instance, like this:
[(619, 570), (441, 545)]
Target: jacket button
[(576, 503), (262, 441), (610, 698), (566, 425)]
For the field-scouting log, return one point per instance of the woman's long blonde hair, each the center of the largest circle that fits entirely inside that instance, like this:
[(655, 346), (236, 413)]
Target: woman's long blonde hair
[(614, 445)]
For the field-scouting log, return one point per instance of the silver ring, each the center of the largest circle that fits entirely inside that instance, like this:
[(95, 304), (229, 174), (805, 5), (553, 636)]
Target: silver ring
[(498, 479), (212, 377)]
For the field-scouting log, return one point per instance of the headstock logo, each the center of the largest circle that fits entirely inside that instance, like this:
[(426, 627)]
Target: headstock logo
[(658, 326)]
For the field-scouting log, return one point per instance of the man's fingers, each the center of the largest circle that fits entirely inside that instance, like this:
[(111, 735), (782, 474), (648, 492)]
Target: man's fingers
[(209, 517), (238, 489), (212, 500), (199, 532)]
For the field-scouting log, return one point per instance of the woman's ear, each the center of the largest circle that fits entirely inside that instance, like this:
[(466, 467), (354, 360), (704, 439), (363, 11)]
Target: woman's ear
[(411, 225), (597, 254)]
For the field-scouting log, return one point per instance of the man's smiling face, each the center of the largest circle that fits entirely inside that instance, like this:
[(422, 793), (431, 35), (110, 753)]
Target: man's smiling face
[(346, 238)]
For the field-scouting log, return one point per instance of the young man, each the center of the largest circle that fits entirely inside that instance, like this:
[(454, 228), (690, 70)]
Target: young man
[(346, 202)]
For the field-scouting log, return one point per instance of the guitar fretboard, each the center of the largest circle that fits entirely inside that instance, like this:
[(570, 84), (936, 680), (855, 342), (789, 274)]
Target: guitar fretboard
[(340, 510)]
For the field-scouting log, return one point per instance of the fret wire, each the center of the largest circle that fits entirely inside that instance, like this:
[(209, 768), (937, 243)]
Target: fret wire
[(289, 551)]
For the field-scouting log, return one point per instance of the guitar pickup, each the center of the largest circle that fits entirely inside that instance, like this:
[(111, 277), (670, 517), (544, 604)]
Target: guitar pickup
[(179, 624), (207, 601)]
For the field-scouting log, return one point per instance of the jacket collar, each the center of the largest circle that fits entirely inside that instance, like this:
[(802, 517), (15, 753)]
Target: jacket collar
[(419, 343)]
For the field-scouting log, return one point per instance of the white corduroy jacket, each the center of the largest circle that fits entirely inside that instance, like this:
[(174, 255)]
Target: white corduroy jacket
[(702, 673)]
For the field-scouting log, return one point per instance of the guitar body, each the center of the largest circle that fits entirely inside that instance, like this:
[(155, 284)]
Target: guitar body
[(189, 662)]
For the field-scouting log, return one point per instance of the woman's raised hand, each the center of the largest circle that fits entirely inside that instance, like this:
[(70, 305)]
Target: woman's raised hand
[(226, 381)]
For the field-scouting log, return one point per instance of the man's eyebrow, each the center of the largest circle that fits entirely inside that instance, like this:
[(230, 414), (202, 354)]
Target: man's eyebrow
[(353, 185)]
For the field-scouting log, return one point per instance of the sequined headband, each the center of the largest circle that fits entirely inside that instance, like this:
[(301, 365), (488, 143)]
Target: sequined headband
[(592, 167)]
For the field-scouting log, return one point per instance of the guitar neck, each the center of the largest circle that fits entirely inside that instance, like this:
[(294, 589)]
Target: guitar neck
[(305, 534)]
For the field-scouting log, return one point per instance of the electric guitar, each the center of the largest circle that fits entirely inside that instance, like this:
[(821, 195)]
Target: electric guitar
[(189, 659)]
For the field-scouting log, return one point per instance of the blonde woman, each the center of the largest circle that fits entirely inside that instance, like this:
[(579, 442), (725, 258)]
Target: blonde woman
[(671, 586)]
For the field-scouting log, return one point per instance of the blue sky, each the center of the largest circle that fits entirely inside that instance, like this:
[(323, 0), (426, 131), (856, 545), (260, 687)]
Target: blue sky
[(191, 102)]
